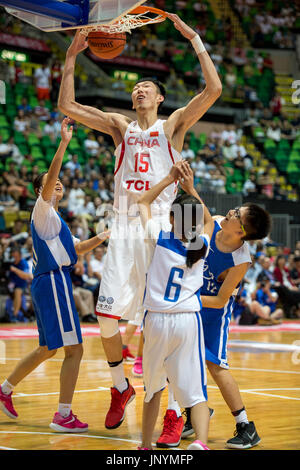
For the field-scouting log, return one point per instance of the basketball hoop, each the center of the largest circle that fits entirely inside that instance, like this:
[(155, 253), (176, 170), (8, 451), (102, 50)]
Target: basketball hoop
[(140, 16)]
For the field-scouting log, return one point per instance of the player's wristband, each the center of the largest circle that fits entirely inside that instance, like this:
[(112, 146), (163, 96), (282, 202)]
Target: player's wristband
[(198, 44)]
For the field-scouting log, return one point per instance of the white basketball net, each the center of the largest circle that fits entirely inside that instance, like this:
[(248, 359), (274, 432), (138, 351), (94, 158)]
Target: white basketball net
[(124, 25)]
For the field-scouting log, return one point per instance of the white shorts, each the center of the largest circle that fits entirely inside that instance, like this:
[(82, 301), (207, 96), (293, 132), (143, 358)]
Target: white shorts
[(174, 349), (124, 273)]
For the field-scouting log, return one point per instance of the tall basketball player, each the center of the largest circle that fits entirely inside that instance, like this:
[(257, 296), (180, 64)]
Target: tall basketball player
[(146, 149)]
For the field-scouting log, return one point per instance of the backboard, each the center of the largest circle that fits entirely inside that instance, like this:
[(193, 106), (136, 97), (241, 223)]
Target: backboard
[(99, 12)]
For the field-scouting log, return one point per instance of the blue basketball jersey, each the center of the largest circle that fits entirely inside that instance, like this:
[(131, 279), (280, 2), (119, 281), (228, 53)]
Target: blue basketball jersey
[(170, 285), (216, 320), (50, 255), (217, 262)]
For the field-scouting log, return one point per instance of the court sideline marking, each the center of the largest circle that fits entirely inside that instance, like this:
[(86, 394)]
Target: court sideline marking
[(70, 435), (214, 387)]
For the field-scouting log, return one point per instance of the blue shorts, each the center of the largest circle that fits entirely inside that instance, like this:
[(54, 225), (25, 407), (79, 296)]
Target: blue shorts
[(56, 315), (216, 327)]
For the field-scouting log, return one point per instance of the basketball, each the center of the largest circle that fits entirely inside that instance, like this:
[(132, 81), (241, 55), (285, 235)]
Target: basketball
[(105, 45)]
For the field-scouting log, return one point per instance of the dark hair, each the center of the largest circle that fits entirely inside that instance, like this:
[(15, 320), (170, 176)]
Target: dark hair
[(296, 259), (278, 258), (38, 181), (159, 85), (196, 249), (258, 222)]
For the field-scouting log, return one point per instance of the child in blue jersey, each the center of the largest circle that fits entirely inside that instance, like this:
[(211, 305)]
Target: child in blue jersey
[(54, 255), (173, 337)]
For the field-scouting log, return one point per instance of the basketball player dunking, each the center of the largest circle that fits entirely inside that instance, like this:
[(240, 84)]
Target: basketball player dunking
[(146, 149)]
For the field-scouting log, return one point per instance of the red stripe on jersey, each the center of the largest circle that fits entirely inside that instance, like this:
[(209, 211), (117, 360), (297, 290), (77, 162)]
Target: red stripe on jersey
[(121, 157), (170, 151)]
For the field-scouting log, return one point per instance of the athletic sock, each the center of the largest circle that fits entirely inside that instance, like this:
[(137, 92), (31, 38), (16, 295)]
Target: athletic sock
[(118, 376), (172, 403), (6, 387), (64, 409), (240, 416)]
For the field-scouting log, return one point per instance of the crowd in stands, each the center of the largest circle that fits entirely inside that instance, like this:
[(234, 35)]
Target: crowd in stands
[(269, 23), (271, 287)]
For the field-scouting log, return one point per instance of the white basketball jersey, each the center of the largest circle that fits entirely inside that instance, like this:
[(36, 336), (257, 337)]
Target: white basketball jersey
[(170, 285), (143, 159)]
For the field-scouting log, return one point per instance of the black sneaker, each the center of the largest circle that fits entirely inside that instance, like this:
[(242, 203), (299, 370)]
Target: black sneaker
[(188, 428), (245, 437)]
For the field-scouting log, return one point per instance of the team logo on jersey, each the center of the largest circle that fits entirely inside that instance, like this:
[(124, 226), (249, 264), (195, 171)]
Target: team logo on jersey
[(102, 298), (137, 185), (149, 143), (110, 300)]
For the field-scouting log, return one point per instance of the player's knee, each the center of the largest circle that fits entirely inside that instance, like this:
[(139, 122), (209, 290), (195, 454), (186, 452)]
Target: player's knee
[(109, 327), (45, 353), (213, 368), (75, 351)]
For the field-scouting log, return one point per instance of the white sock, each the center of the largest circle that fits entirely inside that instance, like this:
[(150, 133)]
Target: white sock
[(118, 377), (64, 409), (172, 403), (6, 387), (241, 417)]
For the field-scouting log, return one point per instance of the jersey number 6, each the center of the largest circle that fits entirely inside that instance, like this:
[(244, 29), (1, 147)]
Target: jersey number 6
[(171, 284)]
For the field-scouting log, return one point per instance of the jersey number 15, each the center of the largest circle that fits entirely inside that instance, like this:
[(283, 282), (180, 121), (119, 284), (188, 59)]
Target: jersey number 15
[(141, 162)]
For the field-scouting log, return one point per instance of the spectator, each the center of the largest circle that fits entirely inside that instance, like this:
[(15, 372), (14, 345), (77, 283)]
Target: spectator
[(42, 78), (289, 298), (281, 273), (5, 199), (76, 198), (295, 272), (52, 129), (96, 264), (104, 193), (24, 106), (187, 153), (274, 131), (91, 145), (84, 299), (41, 111), (251, 312), (17, 286), (56, 76), (249, 186), (73, 165), (10, 150), (267, 298), (21, 123)]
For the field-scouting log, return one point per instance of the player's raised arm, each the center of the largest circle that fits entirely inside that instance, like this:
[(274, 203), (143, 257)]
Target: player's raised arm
[(110, 123), (53, 172), (149, 196), (187, 184), (184, 118)]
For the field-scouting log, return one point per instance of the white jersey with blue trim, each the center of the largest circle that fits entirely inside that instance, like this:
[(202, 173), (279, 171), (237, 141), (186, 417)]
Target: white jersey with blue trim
[(171, 286), (53, 243)]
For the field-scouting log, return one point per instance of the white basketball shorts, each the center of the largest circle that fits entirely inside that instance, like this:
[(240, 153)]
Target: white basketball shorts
[(174, 350)]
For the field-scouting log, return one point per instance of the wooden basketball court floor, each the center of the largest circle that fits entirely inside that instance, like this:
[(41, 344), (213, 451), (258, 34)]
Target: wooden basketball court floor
[(265, 362)]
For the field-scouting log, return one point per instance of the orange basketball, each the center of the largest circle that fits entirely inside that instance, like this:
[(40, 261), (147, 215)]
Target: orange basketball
[(105, 45)]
